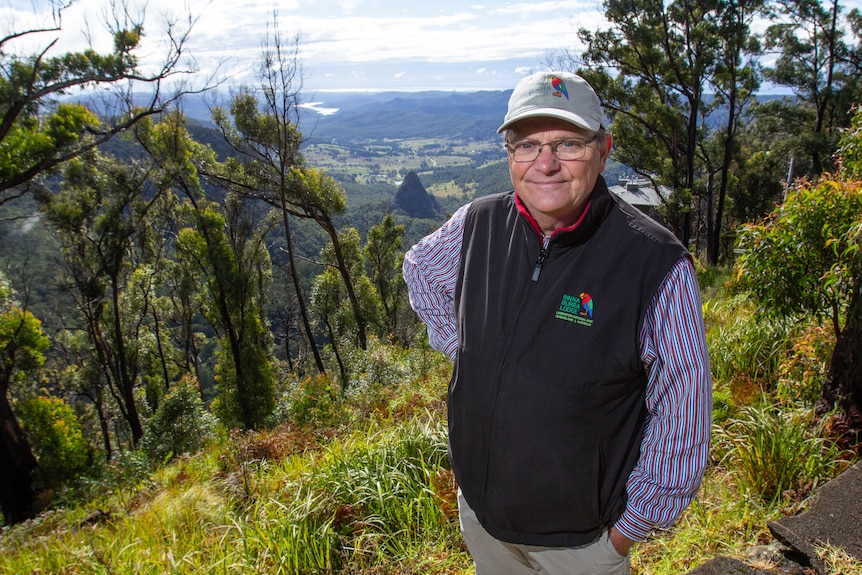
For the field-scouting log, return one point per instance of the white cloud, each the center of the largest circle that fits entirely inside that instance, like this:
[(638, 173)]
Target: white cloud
[(558, 8)]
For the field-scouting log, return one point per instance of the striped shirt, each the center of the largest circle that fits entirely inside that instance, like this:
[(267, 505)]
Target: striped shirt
[(675, 444)]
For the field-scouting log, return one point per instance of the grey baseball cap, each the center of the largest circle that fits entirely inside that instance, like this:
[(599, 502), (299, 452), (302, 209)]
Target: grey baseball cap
[(560, 95)]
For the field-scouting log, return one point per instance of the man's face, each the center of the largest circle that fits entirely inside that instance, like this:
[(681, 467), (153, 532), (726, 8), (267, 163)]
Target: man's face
[(556, 191)]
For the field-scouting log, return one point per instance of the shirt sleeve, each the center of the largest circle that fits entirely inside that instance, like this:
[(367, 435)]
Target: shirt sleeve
[(430, 270), (675, 445)]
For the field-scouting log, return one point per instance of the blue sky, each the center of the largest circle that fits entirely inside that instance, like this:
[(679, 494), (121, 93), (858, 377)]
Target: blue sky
[(354, 44), (347, 45)]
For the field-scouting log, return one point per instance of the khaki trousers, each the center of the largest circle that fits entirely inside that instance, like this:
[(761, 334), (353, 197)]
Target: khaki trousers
[(494, 557)]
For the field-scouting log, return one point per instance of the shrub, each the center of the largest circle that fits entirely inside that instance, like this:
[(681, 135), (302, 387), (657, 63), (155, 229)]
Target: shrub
[(56, 438), (315, 401), (180, 425), (803, 372)]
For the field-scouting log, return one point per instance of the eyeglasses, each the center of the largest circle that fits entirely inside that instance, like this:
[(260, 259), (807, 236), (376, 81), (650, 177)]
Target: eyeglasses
[(563, 149)]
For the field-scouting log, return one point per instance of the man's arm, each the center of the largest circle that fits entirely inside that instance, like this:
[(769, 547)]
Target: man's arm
[(430, 270), (675, 446)]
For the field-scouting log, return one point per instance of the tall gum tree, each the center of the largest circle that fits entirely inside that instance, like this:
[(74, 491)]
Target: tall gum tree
[(262, 128), (649, 68), (814, 60), (101, 217), (734, 79)]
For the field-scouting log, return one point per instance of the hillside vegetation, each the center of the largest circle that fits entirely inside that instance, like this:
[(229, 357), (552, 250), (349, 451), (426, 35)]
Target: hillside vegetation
[(359, 482)]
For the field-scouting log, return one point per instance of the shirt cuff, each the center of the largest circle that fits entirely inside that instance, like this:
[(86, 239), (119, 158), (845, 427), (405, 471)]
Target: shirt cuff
[(633, 525)]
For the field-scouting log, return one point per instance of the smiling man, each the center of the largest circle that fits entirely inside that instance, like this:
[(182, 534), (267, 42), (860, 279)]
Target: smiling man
[(580, 400)]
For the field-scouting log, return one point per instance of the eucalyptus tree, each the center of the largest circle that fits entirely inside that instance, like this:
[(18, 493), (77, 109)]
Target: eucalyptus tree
[(221, 248), (815, 61), (262, 128), (101, 217), (231, 255), (650, 69), (383, 253), (37, 133), (328, 294), (735, 79)]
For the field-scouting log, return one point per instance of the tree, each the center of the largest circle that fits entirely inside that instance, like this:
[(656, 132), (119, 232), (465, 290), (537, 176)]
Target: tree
[(57, 439), (236, 268), (329, 293), (264, 133), (22, 347), (36, 134), (649, 69), (806, 259), (383, 252), (735, 79), (101, 217), (816, 63), (182, 423)]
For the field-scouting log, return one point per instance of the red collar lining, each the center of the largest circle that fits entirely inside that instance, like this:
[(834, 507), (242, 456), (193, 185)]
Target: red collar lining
[(535, 225)]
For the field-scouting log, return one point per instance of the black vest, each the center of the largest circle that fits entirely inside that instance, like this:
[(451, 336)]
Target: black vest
[(546, 403)]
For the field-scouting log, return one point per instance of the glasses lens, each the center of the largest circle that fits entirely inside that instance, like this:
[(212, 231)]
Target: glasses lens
[(528, 150), (569, 149), (525, 151)]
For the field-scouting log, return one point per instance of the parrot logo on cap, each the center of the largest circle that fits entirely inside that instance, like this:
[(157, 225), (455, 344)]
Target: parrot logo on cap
[(559, 86)]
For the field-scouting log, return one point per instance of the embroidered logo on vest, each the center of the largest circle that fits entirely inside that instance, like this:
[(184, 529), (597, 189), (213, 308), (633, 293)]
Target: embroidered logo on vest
[(576, 309)]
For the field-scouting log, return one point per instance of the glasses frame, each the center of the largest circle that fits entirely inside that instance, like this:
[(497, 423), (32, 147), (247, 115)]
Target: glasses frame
[(510, 148)]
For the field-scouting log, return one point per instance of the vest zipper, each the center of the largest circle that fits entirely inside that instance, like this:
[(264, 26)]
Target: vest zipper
[(543, 253)]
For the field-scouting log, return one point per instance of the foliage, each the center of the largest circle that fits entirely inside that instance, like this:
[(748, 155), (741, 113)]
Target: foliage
[(850, 150), (745, 352), (316, 402), (36, 133), (806, 365), (57, 439), (235, 266), (777, 453), (804, 260), (812, 60), (383, 254), (181, 424), (22, 347), (22, 344)]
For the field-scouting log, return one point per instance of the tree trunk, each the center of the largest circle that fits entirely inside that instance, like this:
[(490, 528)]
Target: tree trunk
[(17, 498), (126, 379), (843, 385), (341, 368), (103, 423), (348, 283), (297, 288)]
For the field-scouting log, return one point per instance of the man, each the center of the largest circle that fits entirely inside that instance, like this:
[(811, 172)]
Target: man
[(580, 400)]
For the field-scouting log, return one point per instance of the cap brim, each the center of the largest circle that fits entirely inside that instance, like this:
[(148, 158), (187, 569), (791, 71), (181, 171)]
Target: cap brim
[(578, 121)]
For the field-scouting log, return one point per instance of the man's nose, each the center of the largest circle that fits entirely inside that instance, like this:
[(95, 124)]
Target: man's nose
[(547, 158)]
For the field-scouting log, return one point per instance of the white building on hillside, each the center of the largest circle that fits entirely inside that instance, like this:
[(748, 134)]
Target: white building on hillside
[(639, 192)]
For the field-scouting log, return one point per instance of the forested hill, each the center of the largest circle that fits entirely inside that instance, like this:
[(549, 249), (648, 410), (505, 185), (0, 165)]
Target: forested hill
[(362, 116), (382, 115)]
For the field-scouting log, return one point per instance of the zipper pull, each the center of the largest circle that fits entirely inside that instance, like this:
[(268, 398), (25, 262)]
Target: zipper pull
[(543, 253)]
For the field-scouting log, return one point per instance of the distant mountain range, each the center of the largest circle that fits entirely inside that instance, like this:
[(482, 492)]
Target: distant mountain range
[(363, 116)]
